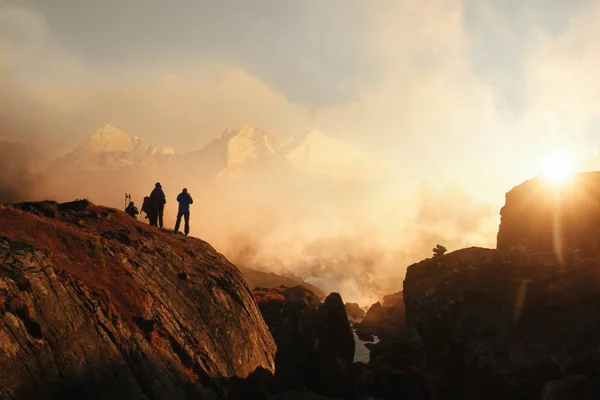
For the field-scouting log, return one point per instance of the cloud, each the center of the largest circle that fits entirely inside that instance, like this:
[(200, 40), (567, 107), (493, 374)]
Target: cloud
[(461, 98)]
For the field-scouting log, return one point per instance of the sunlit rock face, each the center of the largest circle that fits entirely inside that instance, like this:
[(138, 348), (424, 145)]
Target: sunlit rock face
[(541, 216), (97, 305), (493, 324)]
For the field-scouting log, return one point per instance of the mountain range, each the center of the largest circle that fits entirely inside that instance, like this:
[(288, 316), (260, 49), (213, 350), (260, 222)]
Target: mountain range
[(233, 153)]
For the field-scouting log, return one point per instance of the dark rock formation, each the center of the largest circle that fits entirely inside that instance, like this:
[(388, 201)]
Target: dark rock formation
[(329, 364), (315, 344), (93, 305), (499, 325), (387, 320), (355, 313), (576, 387), (371, 323), (392, 369), (271, 301), (394, 300), (541, 217)]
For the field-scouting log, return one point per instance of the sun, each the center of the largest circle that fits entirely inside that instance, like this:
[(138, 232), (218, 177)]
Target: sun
[(557, 169)]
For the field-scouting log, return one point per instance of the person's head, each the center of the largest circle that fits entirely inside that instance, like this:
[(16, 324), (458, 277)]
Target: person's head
[(184, 190), (131, 203), (158, 186)]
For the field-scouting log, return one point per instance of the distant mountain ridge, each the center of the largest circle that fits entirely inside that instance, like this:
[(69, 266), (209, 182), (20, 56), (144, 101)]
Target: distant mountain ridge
[(110, 148), (232, 154)]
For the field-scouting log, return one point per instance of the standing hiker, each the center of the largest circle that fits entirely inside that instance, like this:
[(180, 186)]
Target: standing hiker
[(184, 199), (158, 201)]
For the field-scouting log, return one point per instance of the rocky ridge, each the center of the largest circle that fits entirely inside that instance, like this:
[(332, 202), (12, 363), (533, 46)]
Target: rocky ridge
[(97, 305)]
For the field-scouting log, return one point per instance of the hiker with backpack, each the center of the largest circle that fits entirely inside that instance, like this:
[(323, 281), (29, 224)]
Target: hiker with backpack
[(185, 200), (147, 208), (157, 201)]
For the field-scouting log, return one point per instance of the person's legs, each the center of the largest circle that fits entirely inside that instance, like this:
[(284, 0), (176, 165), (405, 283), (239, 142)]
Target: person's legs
[(152, 216), (186, 228), (178, 222), (160, 216)]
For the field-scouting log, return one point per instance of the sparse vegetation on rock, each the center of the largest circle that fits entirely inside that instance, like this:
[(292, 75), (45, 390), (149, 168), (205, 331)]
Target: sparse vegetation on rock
[(95, 305)]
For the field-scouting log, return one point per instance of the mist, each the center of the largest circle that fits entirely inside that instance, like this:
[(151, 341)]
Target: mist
[(458, 103)]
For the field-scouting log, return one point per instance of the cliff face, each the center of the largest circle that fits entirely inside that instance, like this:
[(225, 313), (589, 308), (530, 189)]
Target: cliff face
[(498, 325), (540, 217), (96, 305)]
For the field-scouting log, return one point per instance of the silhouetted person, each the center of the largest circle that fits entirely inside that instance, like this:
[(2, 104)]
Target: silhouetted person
[(132, 210), (147, 208), (184, 199), (158, 201)]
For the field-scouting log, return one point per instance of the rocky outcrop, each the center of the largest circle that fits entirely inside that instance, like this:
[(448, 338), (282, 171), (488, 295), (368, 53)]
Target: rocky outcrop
[(315, 344), (329, 364), (97, 305), (576, 387), (355, 313), (496, 325), (259, 279), (540, 217), (392, 369), (384, 320), (394, 300), (272, 302)]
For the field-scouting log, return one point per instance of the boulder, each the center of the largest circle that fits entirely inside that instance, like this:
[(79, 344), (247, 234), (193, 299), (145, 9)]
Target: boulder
[(496, 324), (329, 364), (93, 307)]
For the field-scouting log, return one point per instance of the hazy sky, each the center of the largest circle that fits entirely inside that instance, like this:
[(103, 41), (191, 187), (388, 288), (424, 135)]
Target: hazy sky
[(462, 99), (470, 91)]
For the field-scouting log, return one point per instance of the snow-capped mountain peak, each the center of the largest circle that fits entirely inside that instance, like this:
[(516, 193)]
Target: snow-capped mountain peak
[(109, 148), (250, 143), (317, 153), (108, 138)]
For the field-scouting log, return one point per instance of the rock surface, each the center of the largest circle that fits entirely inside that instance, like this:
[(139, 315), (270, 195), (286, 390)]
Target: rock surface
[(355, 313), (392, 368), (315, 343), (496, 325), (93, 305), (576, 387), (259, 279), (540, 217)]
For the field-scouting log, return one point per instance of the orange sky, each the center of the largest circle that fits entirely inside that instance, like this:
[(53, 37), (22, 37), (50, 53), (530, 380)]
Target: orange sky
[(462, 99)]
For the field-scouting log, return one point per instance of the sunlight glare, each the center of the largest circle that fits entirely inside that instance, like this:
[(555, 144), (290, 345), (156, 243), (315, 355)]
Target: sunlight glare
[(556, 169)]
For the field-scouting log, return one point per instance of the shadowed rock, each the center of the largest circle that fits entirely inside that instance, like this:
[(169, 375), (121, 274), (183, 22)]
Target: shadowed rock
[(498, 325), (355, 313), (315, 344)]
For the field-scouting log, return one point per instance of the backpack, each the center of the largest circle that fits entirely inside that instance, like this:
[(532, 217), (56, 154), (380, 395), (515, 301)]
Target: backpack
[(146, 206)]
